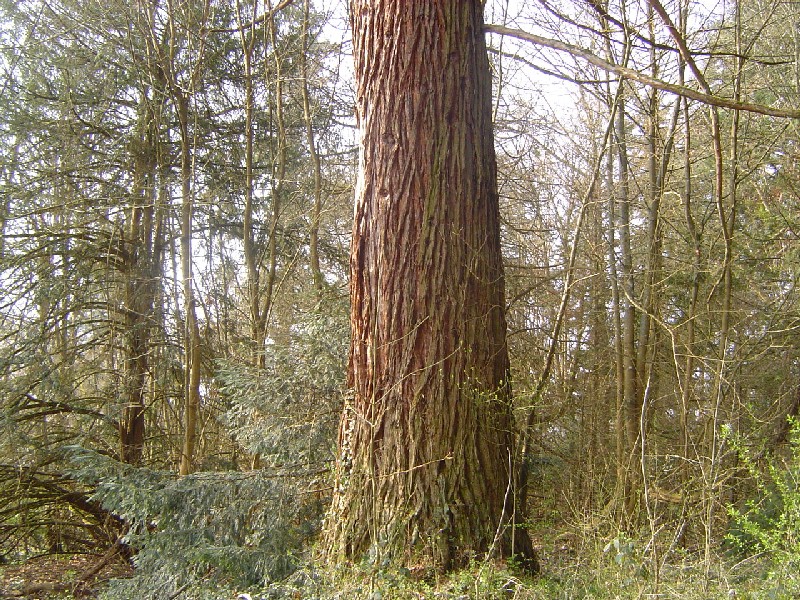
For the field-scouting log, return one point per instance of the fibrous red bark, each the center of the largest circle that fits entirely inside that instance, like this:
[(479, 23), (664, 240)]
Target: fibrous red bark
[(426, 460)]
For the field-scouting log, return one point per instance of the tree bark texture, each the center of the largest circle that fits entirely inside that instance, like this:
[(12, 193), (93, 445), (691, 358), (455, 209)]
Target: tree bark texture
[(425, 469), (142, 272)]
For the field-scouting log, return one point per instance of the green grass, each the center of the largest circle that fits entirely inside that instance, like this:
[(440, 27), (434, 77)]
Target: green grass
[(588, 567)]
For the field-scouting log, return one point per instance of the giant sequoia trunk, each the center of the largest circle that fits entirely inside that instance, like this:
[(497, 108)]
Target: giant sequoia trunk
[(425, 469)]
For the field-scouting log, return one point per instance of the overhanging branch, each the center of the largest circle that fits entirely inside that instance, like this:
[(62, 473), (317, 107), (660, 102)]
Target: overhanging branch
[(635, 75)]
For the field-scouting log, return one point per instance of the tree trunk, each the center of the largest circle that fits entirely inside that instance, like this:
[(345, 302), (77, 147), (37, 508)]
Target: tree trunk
[(687, 391), (424, 473), (140, 289), (192, 332), (632, 406), (316, 163), (251, 251)]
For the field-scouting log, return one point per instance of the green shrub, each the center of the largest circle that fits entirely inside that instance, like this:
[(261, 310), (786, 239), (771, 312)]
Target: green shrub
[(769, 523), (204, 530), (209, 532)]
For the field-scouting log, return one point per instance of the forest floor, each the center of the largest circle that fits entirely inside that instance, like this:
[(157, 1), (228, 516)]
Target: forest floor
[(59, 576), (572, 568)]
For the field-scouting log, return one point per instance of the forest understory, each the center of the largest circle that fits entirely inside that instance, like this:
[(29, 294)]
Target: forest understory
[(305, 299), (576, 563)]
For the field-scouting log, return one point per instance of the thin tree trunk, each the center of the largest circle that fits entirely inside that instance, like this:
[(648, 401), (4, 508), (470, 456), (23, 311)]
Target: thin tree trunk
[(631, 399), (140, 289), (247, 40), (616, 319), (620, 263), (694, 293), (316, 211), (192, 334), (278, 178)]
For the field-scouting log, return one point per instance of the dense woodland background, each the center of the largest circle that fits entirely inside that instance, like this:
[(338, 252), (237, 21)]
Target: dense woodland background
[(175, 211)]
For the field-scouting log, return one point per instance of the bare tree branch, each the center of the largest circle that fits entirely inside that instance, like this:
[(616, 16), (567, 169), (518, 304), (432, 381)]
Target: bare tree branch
[(248, 26), (634, 75)]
